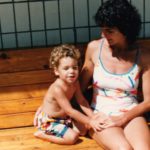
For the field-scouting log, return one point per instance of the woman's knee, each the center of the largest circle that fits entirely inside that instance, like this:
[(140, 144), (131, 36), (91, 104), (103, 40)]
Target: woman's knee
[(144, 146), (116, 144), (121, 146), (125, 147)]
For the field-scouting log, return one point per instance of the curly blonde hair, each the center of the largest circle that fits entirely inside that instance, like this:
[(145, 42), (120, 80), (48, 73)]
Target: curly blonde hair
[(61, 51)]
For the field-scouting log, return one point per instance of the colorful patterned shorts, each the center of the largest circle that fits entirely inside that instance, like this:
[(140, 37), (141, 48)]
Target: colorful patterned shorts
[(53, 126)]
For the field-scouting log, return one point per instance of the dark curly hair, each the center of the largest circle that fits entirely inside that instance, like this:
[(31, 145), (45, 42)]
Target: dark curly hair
[(122, 15)]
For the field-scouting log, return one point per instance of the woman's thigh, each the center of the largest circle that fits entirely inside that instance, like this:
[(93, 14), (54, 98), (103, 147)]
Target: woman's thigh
[(138, 133), (111, 138)]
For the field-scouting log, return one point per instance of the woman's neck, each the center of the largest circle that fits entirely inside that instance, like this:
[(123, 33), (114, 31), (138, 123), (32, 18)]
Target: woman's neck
[(123, 52)]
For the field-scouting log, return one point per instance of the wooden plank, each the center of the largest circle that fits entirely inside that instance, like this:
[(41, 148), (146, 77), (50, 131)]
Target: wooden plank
[(23, 78), (24, 60), (23, 92), (16, 120), (23, 139), (27, 60), (20, 106)]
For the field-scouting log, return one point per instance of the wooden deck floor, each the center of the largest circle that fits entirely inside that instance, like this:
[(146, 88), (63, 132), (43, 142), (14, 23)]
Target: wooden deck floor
[(23, 139)]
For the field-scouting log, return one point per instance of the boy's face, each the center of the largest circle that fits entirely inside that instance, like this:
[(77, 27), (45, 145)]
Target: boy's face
[(67, 69)]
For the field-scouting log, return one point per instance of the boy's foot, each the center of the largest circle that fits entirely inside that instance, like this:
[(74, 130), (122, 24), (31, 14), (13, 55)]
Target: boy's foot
[(38, 134)]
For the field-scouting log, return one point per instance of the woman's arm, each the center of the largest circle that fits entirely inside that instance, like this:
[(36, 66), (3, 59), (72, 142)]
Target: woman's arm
[(87, 69)]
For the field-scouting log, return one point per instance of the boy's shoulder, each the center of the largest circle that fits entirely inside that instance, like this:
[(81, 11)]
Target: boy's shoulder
[(56, 84), (61, 88)]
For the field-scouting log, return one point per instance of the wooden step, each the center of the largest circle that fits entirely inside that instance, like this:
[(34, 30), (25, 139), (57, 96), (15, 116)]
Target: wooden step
[(20, 105), (16, 120), (29, 77), (28, 59), (20, 92), (24, 60)]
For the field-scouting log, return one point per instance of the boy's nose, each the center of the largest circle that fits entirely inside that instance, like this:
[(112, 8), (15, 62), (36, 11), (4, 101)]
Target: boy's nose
[(70, 70)]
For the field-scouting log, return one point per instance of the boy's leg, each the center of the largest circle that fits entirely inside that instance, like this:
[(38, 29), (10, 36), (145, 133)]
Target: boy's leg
[(80, 128), (70, 137), (55, 131), (138, 134)]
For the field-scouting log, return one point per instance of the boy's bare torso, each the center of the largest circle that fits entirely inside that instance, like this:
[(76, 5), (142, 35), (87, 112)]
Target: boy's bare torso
[(50, 105)]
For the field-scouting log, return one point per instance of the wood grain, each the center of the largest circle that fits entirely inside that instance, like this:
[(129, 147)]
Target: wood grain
[(23, 139)]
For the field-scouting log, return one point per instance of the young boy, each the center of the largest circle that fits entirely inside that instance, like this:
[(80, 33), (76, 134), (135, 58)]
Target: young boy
[(54, 121)]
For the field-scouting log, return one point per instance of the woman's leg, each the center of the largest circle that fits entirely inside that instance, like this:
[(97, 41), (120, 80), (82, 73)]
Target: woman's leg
[(138, 134), (69, 138), (111, 139)]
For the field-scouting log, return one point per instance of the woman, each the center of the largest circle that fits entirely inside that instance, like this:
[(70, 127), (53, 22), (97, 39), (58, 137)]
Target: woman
[(116, 63)]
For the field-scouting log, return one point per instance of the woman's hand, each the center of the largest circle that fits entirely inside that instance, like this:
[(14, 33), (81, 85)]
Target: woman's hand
[(115, 121), (100, 121)]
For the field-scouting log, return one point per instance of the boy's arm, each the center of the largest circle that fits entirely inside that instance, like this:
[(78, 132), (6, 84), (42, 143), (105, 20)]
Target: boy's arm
[(58, 114), (83, 102), (35, 120), (65, 104), (75, 114)]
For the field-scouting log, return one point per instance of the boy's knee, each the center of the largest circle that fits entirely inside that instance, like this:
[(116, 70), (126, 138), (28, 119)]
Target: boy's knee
[(83, 132), (75, 138), (72, 139)]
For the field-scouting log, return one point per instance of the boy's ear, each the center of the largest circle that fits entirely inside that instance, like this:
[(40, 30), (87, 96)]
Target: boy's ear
[(56, 71)]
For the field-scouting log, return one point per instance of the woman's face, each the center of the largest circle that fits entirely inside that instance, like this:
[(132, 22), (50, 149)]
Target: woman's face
[(114, 36)]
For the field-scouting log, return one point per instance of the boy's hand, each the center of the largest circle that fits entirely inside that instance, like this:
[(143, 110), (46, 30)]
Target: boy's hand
[(35, 121), (99, 121)]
